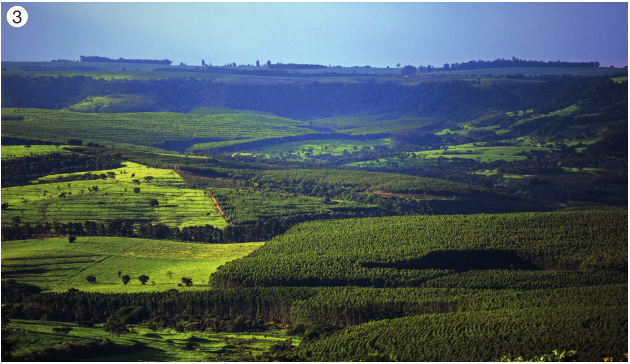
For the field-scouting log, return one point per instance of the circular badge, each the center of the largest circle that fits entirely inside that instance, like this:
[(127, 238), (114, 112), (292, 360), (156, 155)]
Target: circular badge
[(17, 16)]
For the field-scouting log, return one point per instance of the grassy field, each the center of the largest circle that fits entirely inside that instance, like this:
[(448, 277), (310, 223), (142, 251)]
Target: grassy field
[(145, 129), (481, 152), (114, 199), (110, 103), (18, 151), (320, 146), (56, 265), (163, 344)]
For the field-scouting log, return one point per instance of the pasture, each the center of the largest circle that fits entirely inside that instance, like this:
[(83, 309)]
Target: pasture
[(19, 151), (298, 149), (144, 344), (57, 265), (111, 103), (113, 198), (481, 152)]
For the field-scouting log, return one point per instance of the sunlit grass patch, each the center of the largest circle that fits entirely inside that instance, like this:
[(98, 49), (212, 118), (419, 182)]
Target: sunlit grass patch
[(55, 264), (19, 151), (77, 201)]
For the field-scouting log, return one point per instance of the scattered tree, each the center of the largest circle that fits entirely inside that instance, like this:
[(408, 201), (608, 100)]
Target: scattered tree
[(136, 190), (187, 281), (113, 326), (257, 63), (91, 279), (143, 279), (119, 273), (125, 279), (62, 330), (72, 239), (154, 203)]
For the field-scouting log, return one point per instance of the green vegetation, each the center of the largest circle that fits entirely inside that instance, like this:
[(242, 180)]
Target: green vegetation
[(144, 129), (57, 265), (469, 215), (112, 104), (112, 198), (248, 207), (373, 124), (297, 150), (19, 151), (479, 152), (560, 249), (595, 331), (141, 343)]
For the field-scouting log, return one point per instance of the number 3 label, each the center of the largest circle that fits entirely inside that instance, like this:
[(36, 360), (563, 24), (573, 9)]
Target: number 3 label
[(17, 16)]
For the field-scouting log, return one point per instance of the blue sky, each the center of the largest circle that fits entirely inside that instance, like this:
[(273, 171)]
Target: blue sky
[(347, 34)]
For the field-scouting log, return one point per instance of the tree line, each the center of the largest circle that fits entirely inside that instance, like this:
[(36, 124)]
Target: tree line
[(203, 234), (123, 60)]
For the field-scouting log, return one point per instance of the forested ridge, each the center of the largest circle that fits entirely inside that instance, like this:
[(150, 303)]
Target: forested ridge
[(442, 100)]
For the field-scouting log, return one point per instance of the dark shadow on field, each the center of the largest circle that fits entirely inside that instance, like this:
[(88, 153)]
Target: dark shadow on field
[(54, 257), (22, 272), (462, 261), (19, 266)]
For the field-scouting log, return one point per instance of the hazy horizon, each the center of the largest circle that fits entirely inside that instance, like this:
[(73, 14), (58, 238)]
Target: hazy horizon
[(347, 34)]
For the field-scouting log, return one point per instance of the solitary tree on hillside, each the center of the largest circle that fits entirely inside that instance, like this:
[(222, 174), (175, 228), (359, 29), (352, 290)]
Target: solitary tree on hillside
[(397, 64), (136, 190), (169, 274), (148, 178), (154, 203), (119, 273), (90, 279), (144, 279), (62, 330), (125, 279), (408, 71), (187, 281)]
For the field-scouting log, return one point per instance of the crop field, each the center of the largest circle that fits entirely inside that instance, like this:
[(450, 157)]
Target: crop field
[(144, 129), (57, 265), (110, 103), (144, 344), (114, 198), (297, 150), (18, 151)]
